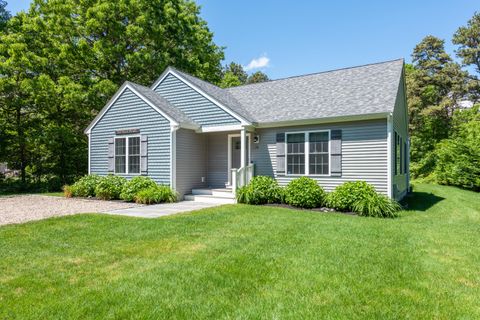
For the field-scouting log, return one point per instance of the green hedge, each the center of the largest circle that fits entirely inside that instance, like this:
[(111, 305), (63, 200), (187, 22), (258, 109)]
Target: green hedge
[(157, 194), (304, 192), (134, 186), (260, 190), (110, 187)]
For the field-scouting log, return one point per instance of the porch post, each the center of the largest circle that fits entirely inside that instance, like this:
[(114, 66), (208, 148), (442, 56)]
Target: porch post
[(243, 147)]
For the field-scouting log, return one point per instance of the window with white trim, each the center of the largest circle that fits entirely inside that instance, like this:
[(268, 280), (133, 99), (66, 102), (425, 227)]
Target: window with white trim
[(308, 153), (127, 155)]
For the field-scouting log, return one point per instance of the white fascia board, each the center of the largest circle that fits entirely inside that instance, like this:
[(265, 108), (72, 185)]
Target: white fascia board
[(204, 94), (277, 124), (115, 98), (389, 156), (235, 127)]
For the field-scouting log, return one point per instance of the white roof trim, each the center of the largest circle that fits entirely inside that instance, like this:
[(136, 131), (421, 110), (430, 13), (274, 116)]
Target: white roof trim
[(205, 95), (115, 98), (235, 127)]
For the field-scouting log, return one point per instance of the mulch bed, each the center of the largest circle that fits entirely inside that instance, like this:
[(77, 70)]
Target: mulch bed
[(321, 209)]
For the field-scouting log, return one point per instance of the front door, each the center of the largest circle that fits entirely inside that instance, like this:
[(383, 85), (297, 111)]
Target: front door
[(236, 152)]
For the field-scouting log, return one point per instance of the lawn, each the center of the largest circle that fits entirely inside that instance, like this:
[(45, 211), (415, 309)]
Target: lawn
[(249, 262)]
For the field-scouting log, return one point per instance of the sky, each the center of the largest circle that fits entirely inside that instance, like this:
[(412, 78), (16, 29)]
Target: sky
[(285, 38)]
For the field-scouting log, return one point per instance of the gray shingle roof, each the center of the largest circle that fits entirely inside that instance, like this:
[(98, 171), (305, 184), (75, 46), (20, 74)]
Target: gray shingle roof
[(161, 103), (219, 94), (359, 90)]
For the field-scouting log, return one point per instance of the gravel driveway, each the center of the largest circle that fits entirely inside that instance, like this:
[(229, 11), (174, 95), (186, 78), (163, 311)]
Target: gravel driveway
[(22, 208)]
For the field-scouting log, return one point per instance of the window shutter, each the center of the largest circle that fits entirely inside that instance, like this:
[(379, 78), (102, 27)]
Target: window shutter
[(281, 154), (336, 153), (111, 155), (144, 154)]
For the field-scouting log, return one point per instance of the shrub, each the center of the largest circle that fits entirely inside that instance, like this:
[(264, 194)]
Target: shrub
[(135, 185), (376, 205), (304, 192), (110, 187), (68, 191), (85, 187), (345, 195), (156, 194), (260, 190)]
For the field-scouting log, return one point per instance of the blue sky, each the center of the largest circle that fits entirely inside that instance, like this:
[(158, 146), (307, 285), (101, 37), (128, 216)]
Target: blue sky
[(285, 38)]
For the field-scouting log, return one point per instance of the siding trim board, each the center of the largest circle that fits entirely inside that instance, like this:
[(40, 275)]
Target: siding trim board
[(242, 120)]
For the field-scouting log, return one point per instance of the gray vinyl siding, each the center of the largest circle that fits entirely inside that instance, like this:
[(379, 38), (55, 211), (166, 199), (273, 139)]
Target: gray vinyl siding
[(400, 125), (193, 104), (131, 112), (217, 154), (191, 163), (364, 153)]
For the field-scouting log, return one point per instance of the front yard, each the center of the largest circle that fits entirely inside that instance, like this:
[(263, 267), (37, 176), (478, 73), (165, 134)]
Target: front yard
[(243, 261)]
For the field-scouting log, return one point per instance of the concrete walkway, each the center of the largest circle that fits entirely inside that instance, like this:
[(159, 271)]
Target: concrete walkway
[(163, 209)]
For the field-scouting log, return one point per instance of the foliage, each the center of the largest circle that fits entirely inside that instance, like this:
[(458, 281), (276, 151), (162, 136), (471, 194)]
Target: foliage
[(110, 187), (4, 15), (304, 192), (62, 60), (458, 158), (156, 194), (260, 190), (376, 205), (346, 194), (135, 185), (85, 186), (467, 38), (234, 75), (68, 191)]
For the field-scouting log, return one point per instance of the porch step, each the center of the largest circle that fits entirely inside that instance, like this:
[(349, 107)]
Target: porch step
[(209, 199), (220, 193)]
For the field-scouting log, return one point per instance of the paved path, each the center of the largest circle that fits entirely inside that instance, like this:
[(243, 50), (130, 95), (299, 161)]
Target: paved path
[(163, 209)]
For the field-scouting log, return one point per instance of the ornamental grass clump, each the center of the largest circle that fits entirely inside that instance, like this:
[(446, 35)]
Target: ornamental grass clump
[(157, 194)]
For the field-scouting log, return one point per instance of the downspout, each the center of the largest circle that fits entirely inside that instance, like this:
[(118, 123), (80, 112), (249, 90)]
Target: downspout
[(173, 156)]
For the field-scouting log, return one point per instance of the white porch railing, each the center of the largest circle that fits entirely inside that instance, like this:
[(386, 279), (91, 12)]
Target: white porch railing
[(241, 177)]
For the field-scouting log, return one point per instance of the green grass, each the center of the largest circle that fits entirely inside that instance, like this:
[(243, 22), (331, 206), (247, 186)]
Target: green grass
[(249, 262)]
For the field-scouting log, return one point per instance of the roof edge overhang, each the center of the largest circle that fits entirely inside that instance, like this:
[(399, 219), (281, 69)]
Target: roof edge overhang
[(225, 108), (115, 97), (349, 118)]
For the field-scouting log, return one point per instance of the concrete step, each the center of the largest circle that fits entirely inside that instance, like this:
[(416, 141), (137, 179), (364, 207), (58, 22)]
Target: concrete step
[(220, 193), (209, 199)]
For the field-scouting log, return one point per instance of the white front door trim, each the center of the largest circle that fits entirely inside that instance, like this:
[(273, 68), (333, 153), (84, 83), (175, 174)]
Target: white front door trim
[(230, 136)]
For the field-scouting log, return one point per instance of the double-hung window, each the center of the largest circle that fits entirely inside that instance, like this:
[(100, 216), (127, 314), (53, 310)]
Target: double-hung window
[(127, 155), (308, 153)]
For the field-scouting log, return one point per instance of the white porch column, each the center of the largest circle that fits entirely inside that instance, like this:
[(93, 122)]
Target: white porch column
[(243, 147)]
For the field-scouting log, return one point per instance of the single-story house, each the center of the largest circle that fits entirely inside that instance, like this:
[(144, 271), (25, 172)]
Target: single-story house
[(336, 126)]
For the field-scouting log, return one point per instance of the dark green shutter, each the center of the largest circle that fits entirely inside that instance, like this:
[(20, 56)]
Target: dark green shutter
[(281, 154), (336, 153)]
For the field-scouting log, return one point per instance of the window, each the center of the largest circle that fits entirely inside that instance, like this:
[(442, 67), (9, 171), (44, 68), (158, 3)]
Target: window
[(296, 153), (127, 155), (120, 155), (308, 153), (318, 153)]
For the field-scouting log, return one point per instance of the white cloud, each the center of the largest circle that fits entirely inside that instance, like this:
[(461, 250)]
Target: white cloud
[(260, 62)]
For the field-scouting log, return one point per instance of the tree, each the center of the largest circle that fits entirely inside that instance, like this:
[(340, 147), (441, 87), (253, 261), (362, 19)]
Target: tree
[(4, 15), (257, 77), (237, 70), (62, 61), (435, 86), (229, 80), (468, 40)]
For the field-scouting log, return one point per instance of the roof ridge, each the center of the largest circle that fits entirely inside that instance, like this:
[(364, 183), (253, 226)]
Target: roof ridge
[(315, 73)]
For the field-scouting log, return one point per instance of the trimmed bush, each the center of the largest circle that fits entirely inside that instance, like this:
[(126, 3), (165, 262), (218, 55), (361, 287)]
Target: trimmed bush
[(85, 186), (260, 190), (345, 195), (110, 187), (157, 194), (376, 205), (134, 186), (304, 192)]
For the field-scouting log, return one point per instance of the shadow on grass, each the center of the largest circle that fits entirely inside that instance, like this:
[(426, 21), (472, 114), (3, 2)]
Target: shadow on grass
[(420, 201)]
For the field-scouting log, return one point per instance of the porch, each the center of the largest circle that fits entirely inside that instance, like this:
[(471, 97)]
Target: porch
[(212, 164)]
